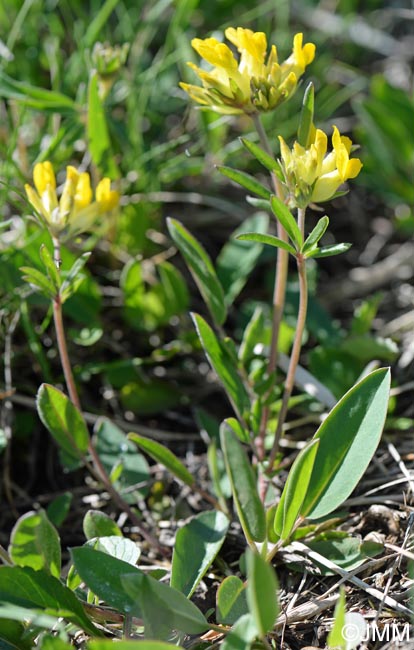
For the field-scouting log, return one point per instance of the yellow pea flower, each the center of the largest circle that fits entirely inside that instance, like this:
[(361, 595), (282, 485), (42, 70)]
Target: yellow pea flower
[(75, 211), (312, 175), (252, 83)]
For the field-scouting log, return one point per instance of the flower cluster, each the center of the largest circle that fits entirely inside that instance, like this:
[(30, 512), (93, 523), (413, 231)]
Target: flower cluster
[(253, 83), (311, 174), (75, 211)]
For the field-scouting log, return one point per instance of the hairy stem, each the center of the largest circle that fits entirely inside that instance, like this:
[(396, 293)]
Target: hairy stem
[(97, 469), (279, 291), (297, 344)]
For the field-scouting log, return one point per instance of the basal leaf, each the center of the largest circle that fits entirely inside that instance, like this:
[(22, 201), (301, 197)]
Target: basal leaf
[(223, 365), (241, 635), (34, 542), (295, 489), (348, 438), (243, 482), (201, 269), (261, 592), (163, 608), (196, 545), (98, 524), (103, 574), (63, 420), (24, 587), (163, 455), (231, 600)]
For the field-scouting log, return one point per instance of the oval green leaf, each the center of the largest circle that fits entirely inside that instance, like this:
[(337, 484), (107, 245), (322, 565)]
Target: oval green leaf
[(263, 157), (201, 268), (34, 542), (231, 600), (63, 420), (348, 438), (196, 545), (329, 251), (249, 507), (163, 608)]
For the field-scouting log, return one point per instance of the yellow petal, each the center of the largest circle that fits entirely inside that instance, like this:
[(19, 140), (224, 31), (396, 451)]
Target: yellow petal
[(326, 186), (83, 194), (108, 199), (354, 167), (214, 52), (43, 175), (34, 199)]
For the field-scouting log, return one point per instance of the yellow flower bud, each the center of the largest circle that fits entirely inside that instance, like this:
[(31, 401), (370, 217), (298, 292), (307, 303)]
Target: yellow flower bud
[(107, 199)]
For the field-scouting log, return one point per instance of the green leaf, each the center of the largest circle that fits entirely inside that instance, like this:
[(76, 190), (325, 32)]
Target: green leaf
[(344, 550), (39, 280), (288, 221), (34, 542), (30, 617), (316, 234), (263, 157), (103, 574), (237, 259), (306, 116), (99, 524), (246, 181), (53, 642), (13, 635), (50, 267), (295, 490), (127, 468), (271, 240), (261, 592), (231, 600), (164, 456), (348, 438), (196, 545), (58, 509), (73, 276), (98, 134), (242, 433), (249, 507), (63, 420), (97, 24), (201, 269), (329, 251), (242, 634), (24, 587), (335, 637), (121, 548), (163, 608), (223, 364), (38, 98), (251, 335)]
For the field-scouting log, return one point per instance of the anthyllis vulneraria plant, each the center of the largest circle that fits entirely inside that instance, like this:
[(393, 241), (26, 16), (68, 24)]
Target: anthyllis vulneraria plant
[(253, 83), (307, 173)]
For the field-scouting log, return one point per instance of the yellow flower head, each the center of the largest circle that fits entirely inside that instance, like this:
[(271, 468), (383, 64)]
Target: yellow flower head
[(75, 211), (312, 175), (252, 83)]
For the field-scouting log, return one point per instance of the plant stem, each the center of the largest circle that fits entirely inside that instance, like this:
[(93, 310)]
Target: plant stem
[(97, 470), (297, 343), (278, 293)]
